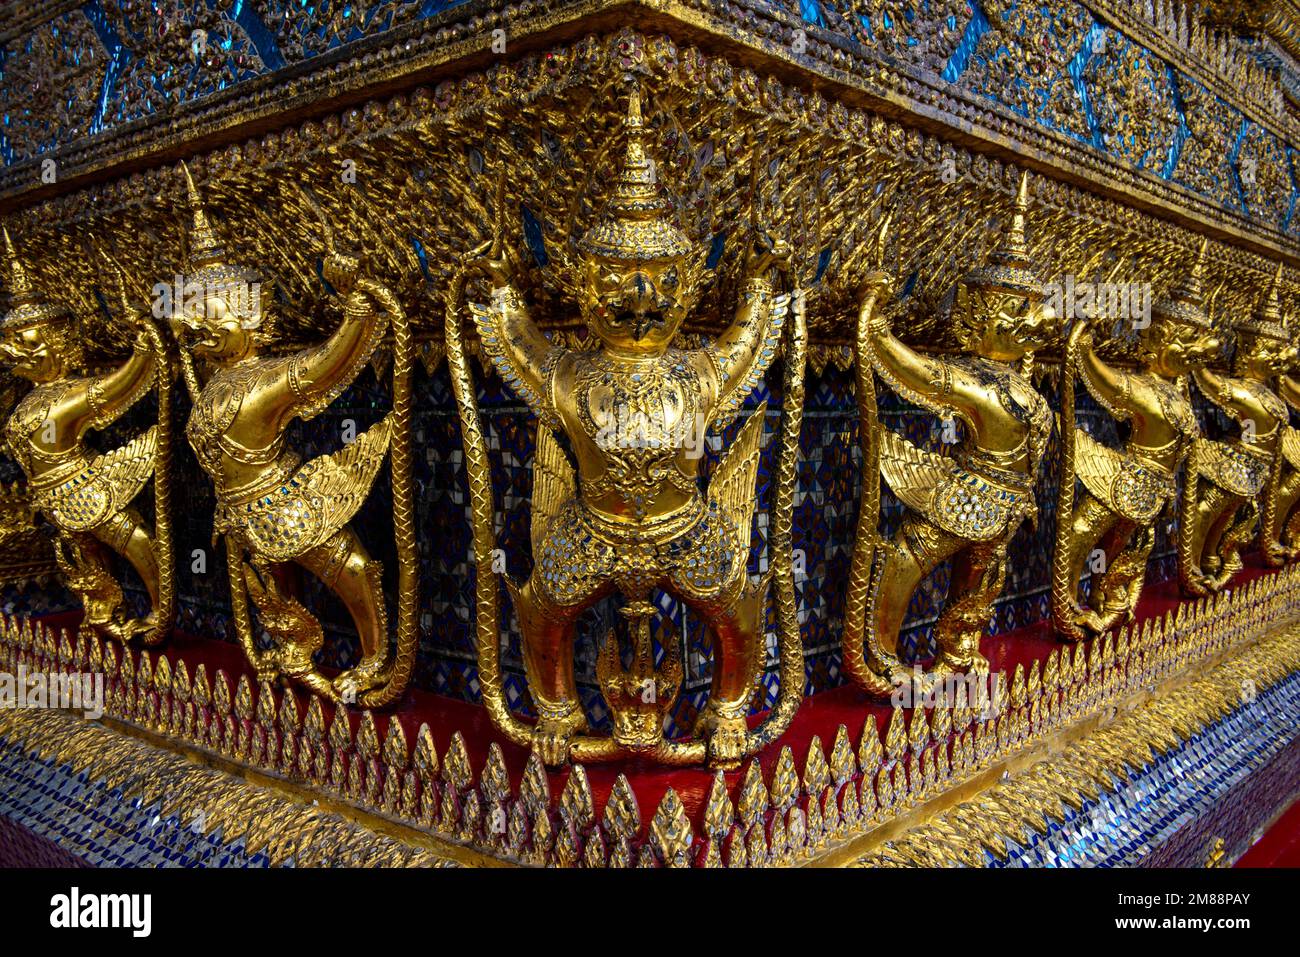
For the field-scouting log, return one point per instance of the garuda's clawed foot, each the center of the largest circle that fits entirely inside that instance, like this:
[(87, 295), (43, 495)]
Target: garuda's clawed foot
[(725, 729), (125, 629), (552, 735), (1276, 555), (1096, 624), (371, 673), (963, 658), (1198, 584)]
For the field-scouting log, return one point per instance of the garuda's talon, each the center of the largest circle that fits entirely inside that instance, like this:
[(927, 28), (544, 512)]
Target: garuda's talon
[(371, 673), (552, 737), (727, 742)]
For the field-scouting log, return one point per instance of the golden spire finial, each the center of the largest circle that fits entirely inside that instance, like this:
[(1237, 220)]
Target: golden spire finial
[(1008, 268), (205, 246), (634, 226), (1267, 319), (26, 305), (20, 284), (1271, 309)]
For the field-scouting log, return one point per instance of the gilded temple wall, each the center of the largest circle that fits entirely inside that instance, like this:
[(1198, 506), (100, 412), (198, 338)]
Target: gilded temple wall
[(86, 70)]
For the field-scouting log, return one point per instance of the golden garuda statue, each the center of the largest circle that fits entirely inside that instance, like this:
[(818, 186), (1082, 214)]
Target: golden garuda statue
[(1280, 534), (1109, 526), (1225, 480), (85, 495), (965, 506), (631, 517), (272, 508)]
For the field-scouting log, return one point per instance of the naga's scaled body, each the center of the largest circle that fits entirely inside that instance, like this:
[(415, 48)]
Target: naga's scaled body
[(272, 507), (1222, 503), (632, 517), (86, 495), (965, 506), (1111, 525)]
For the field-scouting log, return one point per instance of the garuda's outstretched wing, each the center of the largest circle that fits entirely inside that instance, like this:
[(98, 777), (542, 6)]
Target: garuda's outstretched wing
[(739, 387), (937, 488), (106, 486), (1230, 469), (1119, 481), (1291, 446), (518, 352), (553, 484), (732, 484), (319, 500)]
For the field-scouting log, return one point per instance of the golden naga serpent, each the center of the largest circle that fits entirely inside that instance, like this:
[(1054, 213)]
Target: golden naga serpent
[(163, 544), (408, 568), (164, 549), (868, 546), (1064, 588), (589, 748)]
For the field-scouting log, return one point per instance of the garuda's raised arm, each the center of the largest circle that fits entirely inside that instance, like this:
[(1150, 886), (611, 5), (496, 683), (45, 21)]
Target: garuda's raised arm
[(1224, 392), (928, 381), (318, 375), (521, 354), (101, 400), (1289, 389), (741, 355), (1111, 387), (112, 394)]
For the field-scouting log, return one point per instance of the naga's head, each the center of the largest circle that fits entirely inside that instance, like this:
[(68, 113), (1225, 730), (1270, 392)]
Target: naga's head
[(638, 280), (36, 337), (1180, 336), (1006, 315), (217, 308)]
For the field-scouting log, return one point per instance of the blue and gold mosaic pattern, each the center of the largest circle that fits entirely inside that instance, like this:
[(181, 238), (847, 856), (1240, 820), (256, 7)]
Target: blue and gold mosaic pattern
[(101, 826), (1222, 783), (1056, 64)]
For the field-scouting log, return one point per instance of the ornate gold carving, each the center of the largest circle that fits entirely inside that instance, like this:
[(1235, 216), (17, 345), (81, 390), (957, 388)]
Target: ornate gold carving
[(1233, 485), (1108, 527), (965, 506), (88, 497), (630, 518), (272, 508)]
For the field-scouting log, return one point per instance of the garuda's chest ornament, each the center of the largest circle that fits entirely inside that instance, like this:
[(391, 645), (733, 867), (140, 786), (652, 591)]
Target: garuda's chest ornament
[(628, 513), (1109, 499), (1232, 486), (87, 496), (273, 509), (966, 505)]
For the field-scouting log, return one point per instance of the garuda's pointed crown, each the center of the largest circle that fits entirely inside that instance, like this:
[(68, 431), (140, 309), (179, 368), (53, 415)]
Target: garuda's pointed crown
[(26, 306), (1267, 319), (634, 226), (208, 263), (1185, 302), (1009, 268)]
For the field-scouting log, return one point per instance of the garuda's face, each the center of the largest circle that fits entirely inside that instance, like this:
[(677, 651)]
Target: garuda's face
[(215, 330), (1011, 325), (635, 308), (33, 355), (1269, 357), (1175, 348)]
